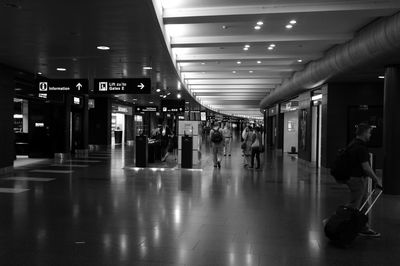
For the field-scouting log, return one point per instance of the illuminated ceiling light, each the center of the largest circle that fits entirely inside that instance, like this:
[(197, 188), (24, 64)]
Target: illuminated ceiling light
[(270, 48), (203, 63), (257, 27), (39, 73), (234, 72), (158, 90), (179, 96), (147, 68), (289, 26), (238, 62), (272, 45), (381, 77), (247, 46), (259, 23), (299, 60), (293, 22), (251, 71), (61, 69), (103, 47), (259, 62), (168, 93)]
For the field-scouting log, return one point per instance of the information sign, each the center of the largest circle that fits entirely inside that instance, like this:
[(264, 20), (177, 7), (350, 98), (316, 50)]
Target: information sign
[(63, 86)]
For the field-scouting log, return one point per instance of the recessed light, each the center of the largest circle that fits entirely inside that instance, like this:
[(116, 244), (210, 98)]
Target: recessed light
[(165, 96), (381, 77), (289, 26), (234, 72), (39, 73), (245, 48), (179, 96), (238, 62), (103, 47), (151, 102), (299, 60), (259, 23), (147, 68), (251, 71), (272, 45), (270, 48), (158, 90), (61, 69), (293, 22), (203, 63), (257, 27), (258, 62)]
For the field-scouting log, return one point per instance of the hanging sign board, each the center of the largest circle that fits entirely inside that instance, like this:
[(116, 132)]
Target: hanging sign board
[(140, 109), (122, 86), (63, 86)]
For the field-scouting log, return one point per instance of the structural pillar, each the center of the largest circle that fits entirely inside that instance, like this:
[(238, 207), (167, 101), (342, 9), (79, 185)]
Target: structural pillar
[(391, 139)]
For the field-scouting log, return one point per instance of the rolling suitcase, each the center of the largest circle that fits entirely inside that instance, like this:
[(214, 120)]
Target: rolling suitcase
[(345, 224)]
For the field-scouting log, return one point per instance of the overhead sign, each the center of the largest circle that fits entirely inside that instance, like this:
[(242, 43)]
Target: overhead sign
[(63, 86), (122, 109), (122, 86), (173, 105), (140, 109)]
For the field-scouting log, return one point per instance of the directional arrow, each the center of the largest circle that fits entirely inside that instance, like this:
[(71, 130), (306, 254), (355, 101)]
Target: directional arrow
[(141, 86), (79, 86)]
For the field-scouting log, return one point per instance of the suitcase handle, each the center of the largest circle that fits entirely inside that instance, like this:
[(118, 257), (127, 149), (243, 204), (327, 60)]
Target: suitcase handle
[(373, 203)]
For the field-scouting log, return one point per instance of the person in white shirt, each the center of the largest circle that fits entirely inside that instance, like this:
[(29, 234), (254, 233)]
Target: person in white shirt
[(227, 132)]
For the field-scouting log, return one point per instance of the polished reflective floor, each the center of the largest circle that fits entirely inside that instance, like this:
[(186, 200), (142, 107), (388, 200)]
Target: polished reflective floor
[(100, 210)]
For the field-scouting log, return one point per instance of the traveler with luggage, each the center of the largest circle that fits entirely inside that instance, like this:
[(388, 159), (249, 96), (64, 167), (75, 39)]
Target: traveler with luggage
[(218, 142), (360, 170), (352, 168)]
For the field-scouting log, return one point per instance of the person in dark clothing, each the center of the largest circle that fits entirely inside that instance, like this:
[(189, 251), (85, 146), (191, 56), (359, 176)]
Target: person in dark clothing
[(256, 146), (360, 170)]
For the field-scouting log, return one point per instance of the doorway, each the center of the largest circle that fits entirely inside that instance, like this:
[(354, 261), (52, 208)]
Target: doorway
[(316, 134)]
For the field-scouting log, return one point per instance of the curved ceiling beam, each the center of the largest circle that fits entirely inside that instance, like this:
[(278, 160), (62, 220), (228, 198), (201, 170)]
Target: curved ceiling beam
[(372, 45)]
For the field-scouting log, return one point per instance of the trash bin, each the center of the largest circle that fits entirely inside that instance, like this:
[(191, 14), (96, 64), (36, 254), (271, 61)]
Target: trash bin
[(187, 152), (141, 151)]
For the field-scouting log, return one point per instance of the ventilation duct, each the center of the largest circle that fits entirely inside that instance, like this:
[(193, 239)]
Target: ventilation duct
[(371, 45)]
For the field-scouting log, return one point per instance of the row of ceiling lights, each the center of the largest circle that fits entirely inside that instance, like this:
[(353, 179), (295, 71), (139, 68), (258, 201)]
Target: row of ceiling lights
[(289, 26)]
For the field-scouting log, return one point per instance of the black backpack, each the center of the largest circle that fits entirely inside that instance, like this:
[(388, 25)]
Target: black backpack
[(216, 136), (341, 169)]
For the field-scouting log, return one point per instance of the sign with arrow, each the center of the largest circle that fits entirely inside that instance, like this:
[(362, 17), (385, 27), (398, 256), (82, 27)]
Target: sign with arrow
[(122, 86), (79, 86)]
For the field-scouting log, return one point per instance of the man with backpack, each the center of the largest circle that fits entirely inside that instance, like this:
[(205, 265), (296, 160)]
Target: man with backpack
[(218, 142), (359, 170)]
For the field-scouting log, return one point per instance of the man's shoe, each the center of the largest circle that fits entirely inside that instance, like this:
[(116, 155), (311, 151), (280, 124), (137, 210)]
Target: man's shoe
[(219, 164), (370, 233)]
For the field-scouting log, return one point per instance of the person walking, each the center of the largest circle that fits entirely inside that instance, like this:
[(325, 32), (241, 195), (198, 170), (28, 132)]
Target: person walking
[(246, 145), (256, 147), (218, 142), (227, 132), (360, 170)]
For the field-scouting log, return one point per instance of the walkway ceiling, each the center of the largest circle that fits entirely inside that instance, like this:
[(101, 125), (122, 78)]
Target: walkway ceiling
[(208, 40), (41, 35)]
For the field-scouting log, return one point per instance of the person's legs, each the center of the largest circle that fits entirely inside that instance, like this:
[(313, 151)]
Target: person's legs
[(230, 146), (357, 186), (258, 157), (215, 151), (253, 153)]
